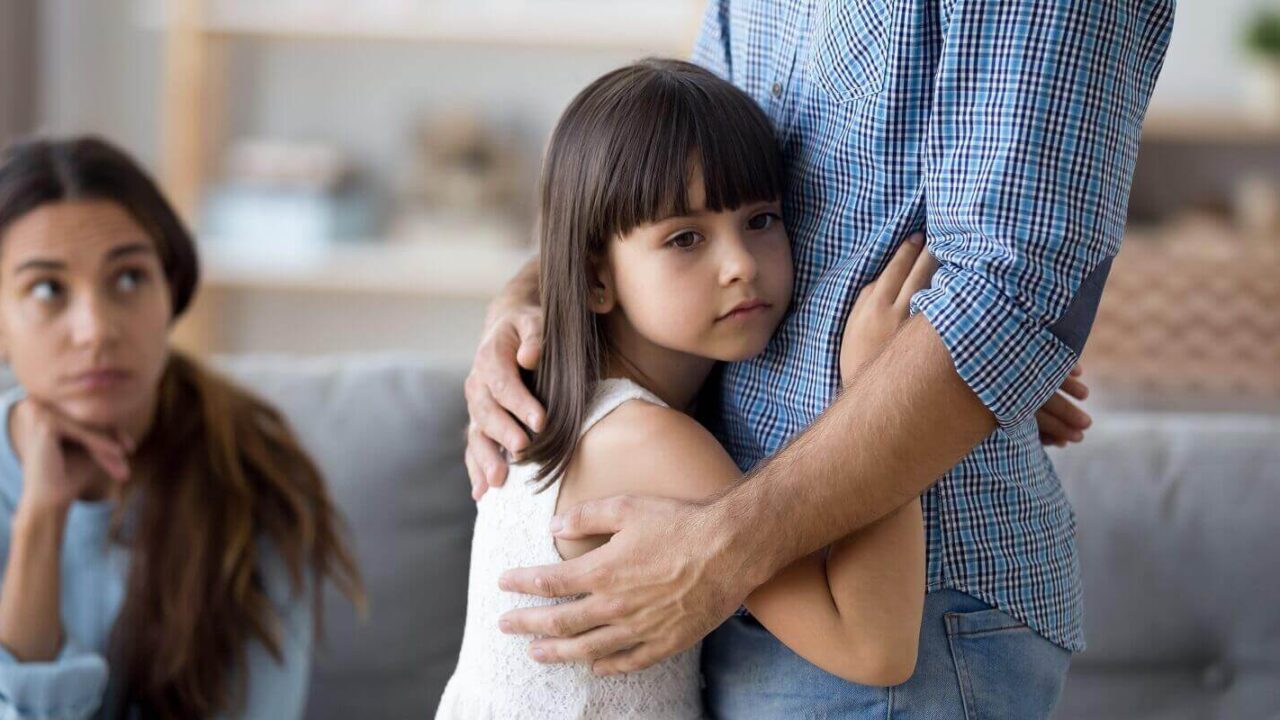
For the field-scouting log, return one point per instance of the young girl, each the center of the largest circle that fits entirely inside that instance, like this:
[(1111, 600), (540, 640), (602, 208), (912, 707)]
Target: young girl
[(163, 536), (663, 252)]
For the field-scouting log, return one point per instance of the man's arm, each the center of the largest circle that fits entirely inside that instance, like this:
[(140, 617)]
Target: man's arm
[(1036, 113)]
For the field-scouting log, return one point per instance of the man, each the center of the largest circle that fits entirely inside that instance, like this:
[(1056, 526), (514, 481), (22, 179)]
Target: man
[(1010, 129)]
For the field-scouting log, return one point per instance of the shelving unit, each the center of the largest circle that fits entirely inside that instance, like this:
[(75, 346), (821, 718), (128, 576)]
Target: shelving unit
[(200, 36)]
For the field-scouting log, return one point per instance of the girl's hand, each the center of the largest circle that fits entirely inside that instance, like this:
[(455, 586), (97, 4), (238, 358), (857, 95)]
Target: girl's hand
[(63, 460), (883, 305), (1060, 420)]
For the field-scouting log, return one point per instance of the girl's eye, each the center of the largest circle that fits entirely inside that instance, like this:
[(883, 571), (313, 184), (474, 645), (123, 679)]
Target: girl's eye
[(129, 280), (763, 221), (46, 290), (685, 241)]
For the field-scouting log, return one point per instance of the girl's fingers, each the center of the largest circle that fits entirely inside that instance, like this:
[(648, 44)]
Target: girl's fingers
[(920, 278), (1068, 412), (1075, 388), (899, 267), (1054, 427)]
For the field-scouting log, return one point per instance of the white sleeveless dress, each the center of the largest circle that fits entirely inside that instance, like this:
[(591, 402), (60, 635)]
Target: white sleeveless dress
[(495, 677)]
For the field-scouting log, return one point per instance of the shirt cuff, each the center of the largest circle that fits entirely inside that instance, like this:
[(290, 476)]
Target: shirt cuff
[(1012, 362), (69, 686)]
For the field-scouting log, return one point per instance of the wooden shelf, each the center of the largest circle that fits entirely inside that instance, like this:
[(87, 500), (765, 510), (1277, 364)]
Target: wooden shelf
[(1204, 128), (666, 26), (426, 269)]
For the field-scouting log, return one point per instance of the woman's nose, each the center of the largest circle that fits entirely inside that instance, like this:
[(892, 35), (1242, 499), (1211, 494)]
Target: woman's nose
[(739, 263), (93, 322)]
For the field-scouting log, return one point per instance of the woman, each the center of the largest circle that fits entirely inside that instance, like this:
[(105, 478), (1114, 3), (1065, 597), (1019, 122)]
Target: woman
[(164, 538)]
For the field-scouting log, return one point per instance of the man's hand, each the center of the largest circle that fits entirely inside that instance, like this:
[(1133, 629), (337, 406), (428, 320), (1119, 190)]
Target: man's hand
[(496, 395), (671, 573)]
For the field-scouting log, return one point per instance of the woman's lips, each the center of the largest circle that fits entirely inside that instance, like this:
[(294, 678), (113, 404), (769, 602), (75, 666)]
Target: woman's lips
[(100, 380), (746, 309)]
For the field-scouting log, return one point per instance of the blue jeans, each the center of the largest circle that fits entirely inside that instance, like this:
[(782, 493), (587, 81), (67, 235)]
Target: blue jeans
[(975, 663)]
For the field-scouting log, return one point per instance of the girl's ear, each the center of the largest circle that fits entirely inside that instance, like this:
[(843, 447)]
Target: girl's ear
[(602, 300)]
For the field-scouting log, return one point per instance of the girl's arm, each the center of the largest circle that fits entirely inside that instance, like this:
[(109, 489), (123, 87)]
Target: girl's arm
[(855, 614)]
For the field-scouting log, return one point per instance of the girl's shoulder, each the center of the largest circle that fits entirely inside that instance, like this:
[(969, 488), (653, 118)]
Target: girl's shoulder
[(642, 448)]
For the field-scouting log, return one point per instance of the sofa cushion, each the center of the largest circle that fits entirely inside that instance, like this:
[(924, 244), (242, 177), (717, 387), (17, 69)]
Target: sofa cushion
[(387, 432), (1177, 531)]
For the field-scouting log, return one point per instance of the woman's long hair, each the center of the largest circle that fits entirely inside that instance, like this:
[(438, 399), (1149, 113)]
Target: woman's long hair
[(620, 157), (219, 483)]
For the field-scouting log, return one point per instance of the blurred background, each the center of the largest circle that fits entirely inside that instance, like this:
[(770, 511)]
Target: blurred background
[(362, 174), (361, 177)]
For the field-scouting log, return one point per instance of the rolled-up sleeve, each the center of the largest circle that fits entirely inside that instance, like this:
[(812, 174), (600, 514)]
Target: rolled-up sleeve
[(1032, 138), (69, 686)]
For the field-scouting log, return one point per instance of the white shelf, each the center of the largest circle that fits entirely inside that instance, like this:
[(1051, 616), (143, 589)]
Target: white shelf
[(666, 26), (427, 269)]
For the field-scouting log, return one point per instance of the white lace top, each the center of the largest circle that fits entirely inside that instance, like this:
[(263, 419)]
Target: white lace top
[(495, 677)]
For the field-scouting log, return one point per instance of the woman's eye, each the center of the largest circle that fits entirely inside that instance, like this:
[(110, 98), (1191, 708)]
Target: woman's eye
[(685, 240), (763, 221), (129, 280), (46, 290)]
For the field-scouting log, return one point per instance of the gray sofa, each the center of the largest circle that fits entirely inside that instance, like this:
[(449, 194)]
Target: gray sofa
[(1177, 531), (1178, 534)]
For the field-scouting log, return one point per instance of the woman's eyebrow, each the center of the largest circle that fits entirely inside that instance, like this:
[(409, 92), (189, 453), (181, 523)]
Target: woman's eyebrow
[(44, 264), (134, 248)]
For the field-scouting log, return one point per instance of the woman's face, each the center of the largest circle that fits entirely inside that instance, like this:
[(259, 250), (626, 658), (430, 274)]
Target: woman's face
[(710, 284), (84, 311)]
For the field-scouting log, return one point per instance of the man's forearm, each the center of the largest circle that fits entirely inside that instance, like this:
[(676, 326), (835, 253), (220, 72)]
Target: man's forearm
[(904, 422)]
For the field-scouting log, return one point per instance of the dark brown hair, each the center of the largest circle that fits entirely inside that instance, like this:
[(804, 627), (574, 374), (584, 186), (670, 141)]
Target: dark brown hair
[(219, 478), (621, 156)]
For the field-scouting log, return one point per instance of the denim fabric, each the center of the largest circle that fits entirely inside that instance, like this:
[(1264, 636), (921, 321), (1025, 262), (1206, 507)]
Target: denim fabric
[(976, 663)]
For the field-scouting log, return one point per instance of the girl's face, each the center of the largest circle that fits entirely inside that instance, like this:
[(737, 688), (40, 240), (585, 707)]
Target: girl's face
[(84, 311), (710, 284)]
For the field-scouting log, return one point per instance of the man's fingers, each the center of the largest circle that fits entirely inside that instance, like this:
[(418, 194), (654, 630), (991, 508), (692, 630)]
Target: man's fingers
[(628, 661), (529, 327), (899, 267), (596, 517), (488, 458), (920, 278), (566, 620), (492, 421), (552, 581), (591, 645), (476, 476), (500, 372)]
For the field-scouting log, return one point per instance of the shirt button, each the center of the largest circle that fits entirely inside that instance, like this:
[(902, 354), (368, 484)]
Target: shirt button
[(777, 89)]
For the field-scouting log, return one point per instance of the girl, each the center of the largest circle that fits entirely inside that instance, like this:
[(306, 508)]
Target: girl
[(662, 253), (163, 536)]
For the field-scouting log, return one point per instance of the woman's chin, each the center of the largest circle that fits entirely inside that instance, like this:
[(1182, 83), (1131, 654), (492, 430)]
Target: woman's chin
[(97, 411)]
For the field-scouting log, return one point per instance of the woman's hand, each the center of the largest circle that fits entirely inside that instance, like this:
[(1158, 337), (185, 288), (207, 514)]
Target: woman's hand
[(883, 305), (496, 395), (62, 459)]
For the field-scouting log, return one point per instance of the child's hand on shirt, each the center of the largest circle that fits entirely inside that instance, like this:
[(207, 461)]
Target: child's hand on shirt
[(883, 305)]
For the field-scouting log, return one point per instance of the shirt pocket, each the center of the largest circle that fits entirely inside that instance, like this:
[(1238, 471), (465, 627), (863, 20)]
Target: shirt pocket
[(849, 48)]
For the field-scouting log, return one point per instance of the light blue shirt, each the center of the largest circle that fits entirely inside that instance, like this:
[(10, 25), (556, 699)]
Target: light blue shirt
[(93, 579)]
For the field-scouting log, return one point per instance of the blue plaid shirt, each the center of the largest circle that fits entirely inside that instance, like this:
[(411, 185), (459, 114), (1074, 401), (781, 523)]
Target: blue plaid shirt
[(1008, 127)]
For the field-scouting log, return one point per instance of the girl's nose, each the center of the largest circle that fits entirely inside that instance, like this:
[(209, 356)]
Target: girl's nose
[(739, 263)]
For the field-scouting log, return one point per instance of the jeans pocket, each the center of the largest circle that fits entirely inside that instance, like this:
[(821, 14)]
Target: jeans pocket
[(1005, 669), (848, 52)]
